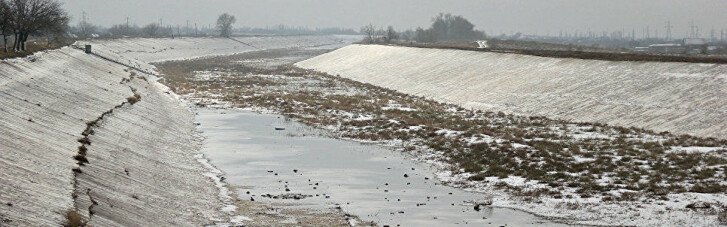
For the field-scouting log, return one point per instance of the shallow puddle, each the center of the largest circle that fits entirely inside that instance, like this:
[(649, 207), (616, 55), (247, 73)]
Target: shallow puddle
[(294, 164)]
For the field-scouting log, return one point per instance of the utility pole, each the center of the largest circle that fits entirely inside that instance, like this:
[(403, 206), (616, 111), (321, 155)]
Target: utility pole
[(692, 34), (84, 25), (648, 35), (160, 23), (187, 27), (128, 29), (668, 31), (697, 34)]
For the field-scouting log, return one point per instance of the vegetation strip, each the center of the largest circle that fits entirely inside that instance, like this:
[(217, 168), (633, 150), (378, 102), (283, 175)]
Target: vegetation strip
[(592, 55), (73, 218)]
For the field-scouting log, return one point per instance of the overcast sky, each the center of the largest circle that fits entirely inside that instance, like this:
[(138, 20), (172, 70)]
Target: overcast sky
[(493, 16)]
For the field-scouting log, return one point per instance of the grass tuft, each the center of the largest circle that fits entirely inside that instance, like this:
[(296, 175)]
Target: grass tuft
[(74, 219)]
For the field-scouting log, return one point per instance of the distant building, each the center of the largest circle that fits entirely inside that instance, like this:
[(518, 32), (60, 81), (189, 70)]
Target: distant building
[(695, 45), (666, 48), (694, 42), (641, 49)]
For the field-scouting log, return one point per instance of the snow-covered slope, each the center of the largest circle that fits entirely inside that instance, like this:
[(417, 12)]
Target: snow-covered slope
[(140, 168), (677, 97), (154, 50)]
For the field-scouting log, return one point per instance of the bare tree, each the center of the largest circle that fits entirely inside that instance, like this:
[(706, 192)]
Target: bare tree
[(369, 31), (6, 28), (121, 30), (150, 30), (224, 24), (85, 29), (35, 17), (379, 34), (56, 31)]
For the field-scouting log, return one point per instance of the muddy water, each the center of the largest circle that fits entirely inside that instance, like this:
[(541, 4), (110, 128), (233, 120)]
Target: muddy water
[(369, 181)]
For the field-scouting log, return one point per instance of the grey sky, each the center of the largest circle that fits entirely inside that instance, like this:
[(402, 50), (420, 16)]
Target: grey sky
[(493, 16)]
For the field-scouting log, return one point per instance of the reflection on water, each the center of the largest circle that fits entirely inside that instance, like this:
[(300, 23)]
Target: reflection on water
[(371, 182)]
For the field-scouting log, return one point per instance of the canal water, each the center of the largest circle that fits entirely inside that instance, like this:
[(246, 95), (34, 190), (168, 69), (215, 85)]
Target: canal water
[(279, 160)]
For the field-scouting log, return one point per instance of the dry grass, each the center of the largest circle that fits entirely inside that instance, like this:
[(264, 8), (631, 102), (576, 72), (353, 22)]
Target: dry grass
[(31, 49), (73, 219), (722, 216)]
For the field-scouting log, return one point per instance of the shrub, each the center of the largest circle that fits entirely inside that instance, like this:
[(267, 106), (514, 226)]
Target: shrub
[(81, 159), (628, 196), (708, 187), (722, 216), (472, 167), (87, 132), (85, 141), (478, 177), (133, 99), (82, 150)]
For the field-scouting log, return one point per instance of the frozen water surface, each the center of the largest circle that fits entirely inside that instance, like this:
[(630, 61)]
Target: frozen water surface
[(369, 181)]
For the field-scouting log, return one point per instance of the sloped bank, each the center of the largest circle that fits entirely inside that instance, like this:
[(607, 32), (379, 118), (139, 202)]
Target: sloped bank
[(683, 98), (166, 49), (85, 135), (96, 137)]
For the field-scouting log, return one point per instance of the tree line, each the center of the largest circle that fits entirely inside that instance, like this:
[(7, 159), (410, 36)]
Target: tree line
[(223, 28), (299, 30), (22, 18), (444, 27)]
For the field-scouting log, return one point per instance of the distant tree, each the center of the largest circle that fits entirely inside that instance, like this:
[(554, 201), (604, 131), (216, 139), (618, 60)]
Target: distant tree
[(425, 36), (85, 29), (517, 35), (407, 35), (379, 34), (224, 24), (56, 32), (448, 27), (151, 30), (369, 32), (390, 34), (166, 31), (121, 30), (289, 30), (35, 17)]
